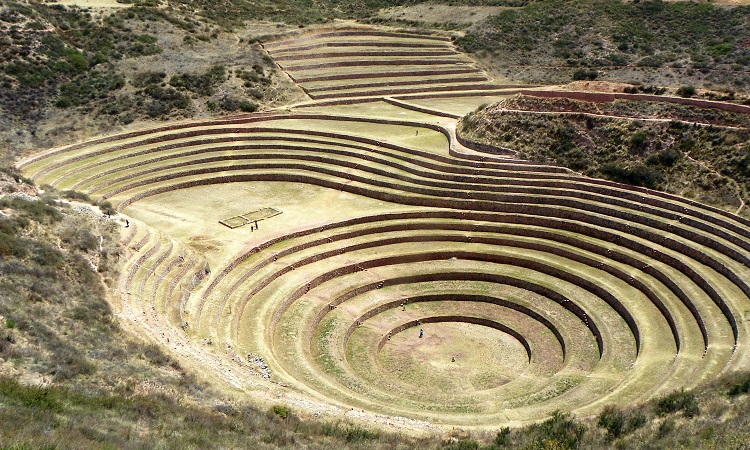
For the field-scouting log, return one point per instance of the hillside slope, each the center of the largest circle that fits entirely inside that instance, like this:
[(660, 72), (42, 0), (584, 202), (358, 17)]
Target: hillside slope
[(698, 153)]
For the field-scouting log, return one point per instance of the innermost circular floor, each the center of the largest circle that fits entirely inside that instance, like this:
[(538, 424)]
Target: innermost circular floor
[(484, 357)]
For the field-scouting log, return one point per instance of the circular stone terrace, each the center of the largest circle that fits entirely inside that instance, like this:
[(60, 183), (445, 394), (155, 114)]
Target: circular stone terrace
[(350, 257)]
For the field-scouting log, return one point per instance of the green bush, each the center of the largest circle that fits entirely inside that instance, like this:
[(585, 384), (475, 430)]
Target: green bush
[(585, 74), (618, 423), (63, 102), (559, 431), (247, 106), (639, 140), (164, 100), (79, 238), (638, 174), (106, 207), (686, 91), (47, 256), (665, 428), (678, 401), (281, 411), (148, 78), (155, 355), (502, 438), (204, 84), (742, 387), (666, 158), (350, 433), (463, 445)]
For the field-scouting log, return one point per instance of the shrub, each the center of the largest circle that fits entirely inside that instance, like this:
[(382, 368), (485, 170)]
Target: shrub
[(585, 74), (10, 244), (638, 175), (46, 255), (612, 420), (154, 354), (280, 411), (678, 401), (638, 140), (665, 428), (502, 438), (743, 387), (90, 86), (247, 106), (204, 84), (63, 102), (686, 91), (463, 445), (148, 78), (106, 207), (357, 434), (666, 158), (350, 433), (618, 423), (10, 323), (561, 430), (79, 238), (75, 195)]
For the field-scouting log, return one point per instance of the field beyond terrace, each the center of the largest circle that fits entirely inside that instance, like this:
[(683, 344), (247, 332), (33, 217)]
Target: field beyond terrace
[(538, 289)]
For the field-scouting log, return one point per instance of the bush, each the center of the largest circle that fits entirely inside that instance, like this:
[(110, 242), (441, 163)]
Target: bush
[(281, 411), (90, 86), (154, 354), (463, 445), (350, 433), (46, 255), (106, 207), (678, 401), (560, 431), (617, 423), (612, 420), (247, 106), (666, 158), (78, 238), (502, 438), (638, 175), (148, 78), (585, 74), (638, 140), (63, 102), (743, 387), (75, 195), (665, 428), (204, 84), (686, 91)]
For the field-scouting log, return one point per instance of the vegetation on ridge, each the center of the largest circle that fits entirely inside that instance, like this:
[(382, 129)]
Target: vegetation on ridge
[(622, 142), (650, 41)]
